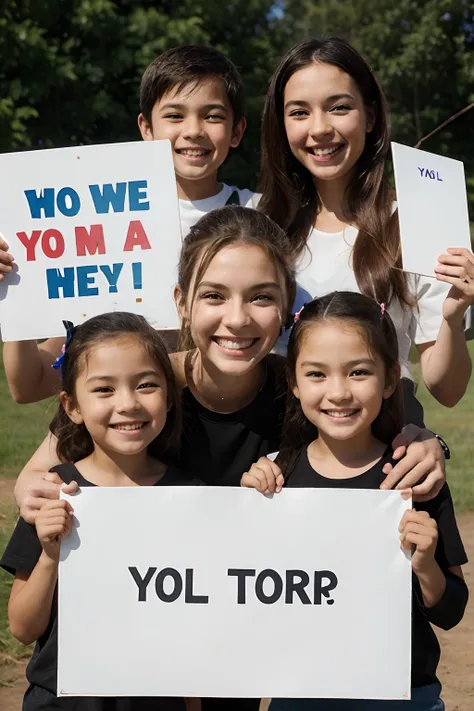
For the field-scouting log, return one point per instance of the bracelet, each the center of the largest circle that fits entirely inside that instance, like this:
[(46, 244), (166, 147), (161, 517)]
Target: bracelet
[(444, 446)]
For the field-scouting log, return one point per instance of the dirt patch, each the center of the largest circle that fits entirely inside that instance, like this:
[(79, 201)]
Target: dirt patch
[(456, 670)]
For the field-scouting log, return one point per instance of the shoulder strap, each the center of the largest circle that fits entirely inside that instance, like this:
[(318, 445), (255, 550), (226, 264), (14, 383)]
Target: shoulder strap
[(234, 198), (67, 472)]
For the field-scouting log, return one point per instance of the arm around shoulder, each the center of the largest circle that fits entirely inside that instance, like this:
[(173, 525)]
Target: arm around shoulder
[(31, 489), (28, 369)]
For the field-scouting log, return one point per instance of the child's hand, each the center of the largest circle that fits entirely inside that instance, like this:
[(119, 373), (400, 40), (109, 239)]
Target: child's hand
[(265, 476), (6, 259), (53, 523), (456, 267), (419, 533)]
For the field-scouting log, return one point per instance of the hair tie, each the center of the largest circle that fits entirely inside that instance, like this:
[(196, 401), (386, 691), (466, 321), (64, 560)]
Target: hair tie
[(298, 314), (382, 309), (60, 362)]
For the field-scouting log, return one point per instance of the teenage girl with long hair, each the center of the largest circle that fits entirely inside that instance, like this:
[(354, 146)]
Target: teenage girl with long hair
[(325, 143)]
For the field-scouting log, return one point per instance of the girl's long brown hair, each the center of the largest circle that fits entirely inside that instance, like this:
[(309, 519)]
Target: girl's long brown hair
[(378, 331), (222, 228), (74, 441), (288, 192)]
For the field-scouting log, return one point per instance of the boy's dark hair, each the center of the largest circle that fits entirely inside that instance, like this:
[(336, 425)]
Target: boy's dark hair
[(74, 441), (190, 65), (378, 330)]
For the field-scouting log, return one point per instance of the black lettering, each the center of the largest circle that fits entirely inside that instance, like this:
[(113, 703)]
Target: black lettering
[(241, 574), (159, 585), (320, 589), (189, 596), (277, 582), (296, 586), (142, 582)]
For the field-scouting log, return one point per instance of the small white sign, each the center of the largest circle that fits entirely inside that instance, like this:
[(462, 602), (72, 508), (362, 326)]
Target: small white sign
[(92, 229), (432, 207), (224, 592)]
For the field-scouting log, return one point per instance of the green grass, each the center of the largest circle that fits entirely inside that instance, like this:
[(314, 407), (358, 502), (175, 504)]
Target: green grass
[(456, 425), (23, 427)]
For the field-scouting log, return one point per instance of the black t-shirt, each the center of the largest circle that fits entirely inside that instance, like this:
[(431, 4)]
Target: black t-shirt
[(449, 553), (219, 448), (21, 555)]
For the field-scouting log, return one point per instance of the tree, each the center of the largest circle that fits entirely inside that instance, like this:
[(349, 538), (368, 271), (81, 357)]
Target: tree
[(71, 68)]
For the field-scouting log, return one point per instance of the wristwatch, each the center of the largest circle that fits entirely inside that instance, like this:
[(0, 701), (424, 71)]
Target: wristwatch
[(443, 445)]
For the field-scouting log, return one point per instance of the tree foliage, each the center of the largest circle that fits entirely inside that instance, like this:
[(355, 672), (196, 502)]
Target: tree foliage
[(70, 69)]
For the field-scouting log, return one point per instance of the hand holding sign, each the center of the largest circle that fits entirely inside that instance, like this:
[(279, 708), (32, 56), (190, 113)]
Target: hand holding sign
[(425, 185), (6, 259), (456, 267), (265, 476), (419, 532)]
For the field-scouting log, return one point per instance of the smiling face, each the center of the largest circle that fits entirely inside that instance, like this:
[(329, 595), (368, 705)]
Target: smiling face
[(236, 308), (340, 384), (120, 396), (326, 121), (198, 120)]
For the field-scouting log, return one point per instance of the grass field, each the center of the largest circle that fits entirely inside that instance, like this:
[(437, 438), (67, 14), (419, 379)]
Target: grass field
[(22, 428)]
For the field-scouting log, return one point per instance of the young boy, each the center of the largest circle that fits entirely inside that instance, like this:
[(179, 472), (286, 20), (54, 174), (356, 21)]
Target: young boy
[(193, 96)]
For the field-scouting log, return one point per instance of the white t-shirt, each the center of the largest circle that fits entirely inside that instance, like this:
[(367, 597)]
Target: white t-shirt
[(191, 211), (326, 266)]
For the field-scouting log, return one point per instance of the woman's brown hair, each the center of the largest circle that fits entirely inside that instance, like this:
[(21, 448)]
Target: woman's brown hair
[(74, 441), (221, 228), (289, 195), (379, 333)]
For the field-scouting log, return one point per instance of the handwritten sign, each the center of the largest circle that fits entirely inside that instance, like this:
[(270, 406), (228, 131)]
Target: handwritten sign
[(224, 592), (92, 229), (432, 207)]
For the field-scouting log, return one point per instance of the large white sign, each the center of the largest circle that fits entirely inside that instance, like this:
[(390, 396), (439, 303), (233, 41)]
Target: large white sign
[(223, 592), (92, 229), (432, 207)]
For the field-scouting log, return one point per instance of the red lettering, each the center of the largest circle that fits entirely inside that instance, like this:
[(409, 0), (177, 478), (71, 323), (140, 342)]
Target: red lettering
[(29, 243), (136, 237), (91, 240), (52, 252)]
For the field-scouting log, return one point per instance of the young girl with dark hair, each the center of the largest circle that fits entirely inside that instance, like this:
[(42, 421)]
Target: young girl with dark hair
[(325, 143), (345, 405), (118, 424)]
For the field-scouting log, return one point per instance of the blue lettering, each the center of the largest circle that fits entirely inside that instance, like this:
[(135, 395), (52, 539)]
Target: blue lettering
[(75, 205), (108, 196), (55, 281), (44, 201), (112, 275), (84, 279), (137, 275), (137, 195), (421, 171), (438, 178)]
